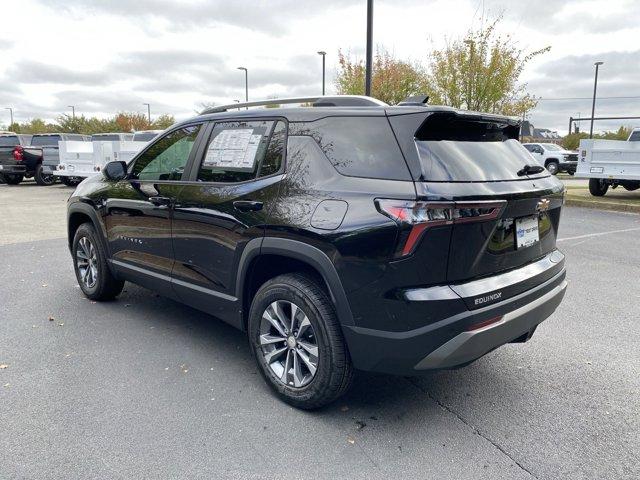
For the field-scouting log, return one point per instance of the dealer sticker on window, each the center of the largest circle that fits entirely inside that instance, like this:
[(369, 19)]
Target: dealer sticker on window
[(527, 231)]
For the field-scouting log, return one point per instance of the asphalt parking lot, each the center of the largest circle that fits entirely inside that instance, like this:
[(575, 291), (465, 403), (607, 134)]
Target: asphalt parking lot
[(144, 387)]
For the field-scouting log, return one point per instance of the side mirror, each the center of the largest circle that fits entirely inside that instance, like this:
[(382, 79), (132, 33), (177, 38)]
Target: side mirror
[(115, 171)]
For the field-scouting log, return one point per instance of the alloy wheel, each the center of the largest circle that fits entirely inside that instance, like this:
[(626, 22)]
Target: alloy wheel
[(87, 262), (288, 343)]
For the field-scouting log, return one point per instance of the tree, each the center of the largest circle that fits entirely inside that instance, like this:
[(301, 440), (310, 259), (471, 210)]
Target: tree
[(572, 141), (163, 122), (392, 80), (481, 72)]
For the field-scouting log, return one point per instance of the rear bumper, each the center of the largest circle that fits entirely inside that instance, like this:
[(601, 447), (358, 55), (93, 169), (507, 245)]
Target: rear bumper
[(13, 169), (453, 341)]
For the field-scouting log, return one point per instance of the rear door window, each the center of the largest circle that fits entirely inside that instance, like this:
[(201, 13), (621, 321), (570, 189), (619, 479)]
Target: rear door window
[(358, 146), (242, 151)]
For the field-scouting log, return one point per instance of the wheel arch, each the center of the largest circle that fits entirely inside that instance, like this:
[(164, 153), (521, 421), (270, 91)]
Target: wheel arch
[(267, 258), (79, 213), (549, 160)]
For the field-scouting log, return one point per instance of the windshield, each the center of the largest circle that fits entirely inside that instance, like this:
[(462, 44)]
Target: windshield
[(635, 136), (144, 137), (456, 161), (551, 146), (105, 138), (9, 141), (45, 140)]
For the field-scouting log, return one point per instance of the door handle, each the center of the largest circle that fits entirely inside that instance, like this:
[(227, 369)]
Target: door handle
[(160, 201), (247, 205)]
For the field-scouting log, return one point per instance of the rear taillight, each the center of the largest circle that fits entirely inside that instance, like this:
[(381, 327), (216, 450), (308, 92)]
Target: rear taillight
[(420, 216), (18, 153)]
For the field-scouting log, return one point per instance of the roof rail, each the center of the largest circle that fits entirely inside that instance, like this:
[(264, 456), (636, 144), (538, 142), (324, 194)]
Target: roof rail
[(318, 101)]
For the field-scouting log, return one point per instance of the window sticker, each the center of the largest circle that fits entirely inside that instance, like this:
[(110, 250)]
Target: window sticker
[(233, 149)]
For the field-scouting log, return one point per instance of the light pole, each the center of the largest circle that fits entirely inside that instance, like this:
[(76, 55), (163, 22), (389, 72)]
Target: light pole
[(593, 105), (148, 112), (369, 66), (324, 54), (73, 112), (10, 113), (246, 84)]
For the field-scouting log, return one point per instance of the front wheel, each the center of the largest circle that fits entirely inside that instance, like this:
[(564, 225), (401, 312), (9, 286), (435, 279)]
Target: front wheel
[(297, 342), (90, 264), (598, 187), (553, 168), (42, 178)]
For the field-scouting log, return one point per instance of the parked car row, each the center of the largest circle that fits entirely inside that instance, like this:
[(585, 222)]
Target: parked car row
[(69, 157)]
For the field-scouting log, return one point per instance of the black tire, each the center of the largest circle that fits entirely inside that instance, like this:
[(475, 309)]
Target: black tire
[(42, 179), (13, 179), (334, 372), (106, 286), (597, 187), (553, 167)]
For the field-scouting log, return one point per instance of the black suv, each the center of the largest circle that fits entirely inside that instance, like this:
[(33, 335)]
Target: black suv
[(346, 235)]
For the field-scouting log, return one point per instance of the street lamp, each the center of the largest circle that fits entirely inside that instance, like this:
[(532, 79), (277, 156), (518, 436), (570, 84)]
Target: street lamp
[(10, 113), (246, 84), (148, 112), (73, 111), (593, 105), (324, 54), (369, 65)]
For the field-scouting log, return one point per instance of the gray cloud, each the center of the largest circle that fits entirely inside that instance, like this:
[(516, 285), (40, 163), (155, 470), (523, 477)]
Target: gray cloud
[(576, 16), (266, 16), (27, 71), (572, 78)]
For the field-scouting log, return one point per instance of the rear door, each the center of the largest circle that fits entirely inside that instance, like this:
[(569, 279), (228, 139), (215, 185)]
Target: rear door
[(233, 185), (505, 217)]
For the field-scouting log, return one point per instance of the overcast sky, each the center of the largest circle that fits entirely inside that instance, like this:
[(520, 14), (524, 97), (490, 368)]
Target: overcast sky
[(109, 56)]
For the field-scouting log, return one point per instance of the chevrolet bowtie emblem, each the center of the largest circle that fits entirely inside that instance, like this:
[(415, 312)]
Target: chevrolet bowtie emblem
[(543, 205)]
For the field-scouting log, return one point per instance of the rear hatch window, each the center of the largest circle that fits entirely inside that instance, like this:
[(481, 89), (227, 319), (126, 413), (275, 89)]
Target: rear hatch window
[(452, 148), (9, 141)]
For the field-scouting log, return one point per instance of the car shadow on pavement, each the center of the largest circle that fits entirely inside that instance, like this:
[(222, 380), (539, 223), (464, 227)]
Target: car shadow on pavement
[(210, 338)]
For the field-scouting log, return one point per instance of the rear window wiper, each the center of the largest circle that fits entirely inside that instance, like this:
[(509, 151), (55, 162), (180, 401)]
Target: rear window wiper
[(529, 169)]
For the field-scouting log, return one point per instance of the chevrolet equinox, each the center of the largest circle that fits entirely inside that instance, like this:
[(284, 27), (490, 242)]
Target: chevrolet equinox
[(344, 235)]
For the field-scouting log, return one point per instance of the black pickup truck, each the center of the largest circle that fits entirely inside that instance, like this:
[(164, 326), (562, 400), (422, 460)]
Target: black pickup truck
[(8, 143), (25, 161)]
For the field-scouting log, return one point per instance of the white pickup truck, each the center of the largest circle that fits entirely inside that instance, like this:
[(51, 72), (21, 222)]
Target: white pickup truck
[(79, 161), (610, 163)]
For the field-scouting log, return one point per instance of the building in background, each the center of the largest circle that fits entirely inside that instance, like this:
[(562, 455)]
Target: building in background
[(529, 133)]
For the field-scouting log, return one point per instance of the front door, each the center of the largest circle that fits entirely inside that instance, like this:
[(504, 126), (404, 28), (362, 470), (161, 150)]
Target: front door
[(138, 210), (225, 205)]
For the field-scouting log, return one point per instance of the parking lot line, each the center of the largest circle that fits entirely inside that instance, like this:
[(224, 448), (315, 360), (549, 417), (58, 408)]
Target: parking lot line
[(599, 234)]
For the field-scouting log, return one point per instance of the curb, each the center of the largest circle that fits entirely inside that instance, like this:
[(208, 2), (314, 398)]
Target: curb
[(612, 206)]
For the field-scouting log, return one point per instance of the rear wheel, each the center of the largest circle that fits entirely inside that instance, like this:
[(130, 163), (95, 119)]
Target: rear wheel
[(597, 187), (42, 178), (90, 264), (553, 167), (13, 179), (297, 342)]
